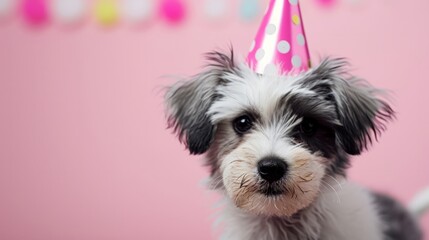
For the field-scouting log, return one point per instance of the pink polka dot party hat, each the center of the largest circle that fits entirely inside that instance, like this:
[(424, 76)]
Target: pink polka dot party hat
[(280, 45)]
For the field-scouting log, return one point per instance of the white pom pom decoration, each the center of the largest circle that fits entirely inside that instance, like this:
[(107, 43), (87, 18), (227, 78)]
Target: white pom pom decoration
[(215, 9), (5, 7), (137, 11), (69, 11)]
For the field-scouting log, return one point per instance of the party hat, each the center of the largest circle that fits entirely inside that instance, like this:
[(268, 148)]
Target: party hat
[(280, 44)]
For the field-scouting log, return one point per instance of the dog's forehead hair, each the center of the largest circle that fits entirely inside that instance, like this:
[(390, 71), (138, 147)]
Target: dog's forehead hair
[(250, 92)]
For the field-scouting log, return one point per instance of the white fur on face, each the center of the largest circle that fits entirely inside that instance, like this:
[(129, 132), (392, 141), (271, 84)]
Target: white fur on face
[(238, 167), (252, 91)]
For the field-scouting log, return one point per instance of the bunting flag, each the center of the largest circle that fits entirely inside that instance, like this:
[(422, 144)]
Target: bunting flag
[(109, 12)]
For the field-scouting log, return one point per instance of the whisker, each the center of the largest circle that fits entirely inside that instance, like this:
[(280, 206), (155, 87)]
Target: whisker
[(330, 186), (242, 180), (339, 184)]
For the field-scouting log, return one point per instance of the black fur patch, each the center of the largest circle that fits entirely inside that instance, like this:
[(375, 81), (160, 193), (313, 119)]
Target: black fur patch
[(188, 103), (399, 224), (360, 111)]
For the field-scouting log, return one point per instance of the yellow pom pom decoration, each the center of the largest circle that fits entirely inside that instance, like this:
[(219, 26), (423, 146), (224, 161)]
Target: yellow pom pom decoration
[(106, 12)]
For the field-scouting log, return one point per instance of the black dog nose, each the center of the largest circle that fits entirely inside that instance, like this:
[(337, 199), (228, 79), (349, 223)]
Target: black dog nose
[(272, 168)]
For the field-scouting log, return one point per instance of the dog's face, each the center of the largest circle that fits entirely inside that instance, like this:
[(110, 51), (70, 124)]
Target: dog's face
[(272, 141)]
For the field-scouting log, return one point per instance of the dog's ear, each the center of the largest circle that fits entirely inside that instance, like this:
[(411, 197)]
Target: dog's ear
[(362, 114), (188, 103)]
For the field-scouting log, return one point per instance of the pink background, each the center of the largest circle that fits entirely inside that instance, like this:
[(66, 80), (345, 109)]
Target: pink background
[(84, 153)]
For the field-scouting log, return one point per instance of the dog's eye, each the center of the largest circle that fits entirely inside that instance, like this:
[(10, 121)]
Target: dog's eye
[(242, 124), (308, 127)]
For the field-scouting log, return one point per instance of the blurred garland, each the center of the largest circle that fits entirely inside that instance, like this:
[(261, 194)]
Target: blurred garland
[(109, 12)]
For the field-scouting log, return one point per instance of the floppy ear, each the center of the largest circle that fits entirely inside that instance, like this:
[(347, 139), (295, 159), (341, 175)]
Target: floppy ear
[(188, 103), (361, 111)]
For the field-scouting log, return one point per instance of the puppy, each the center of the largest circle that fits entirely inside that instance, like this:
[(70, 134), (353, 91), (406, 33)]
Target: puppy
[(278, 148)]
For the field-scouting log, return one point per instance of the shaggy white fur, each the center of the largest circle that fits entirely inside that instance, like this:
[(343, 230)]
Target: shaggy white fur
[(342, 211)]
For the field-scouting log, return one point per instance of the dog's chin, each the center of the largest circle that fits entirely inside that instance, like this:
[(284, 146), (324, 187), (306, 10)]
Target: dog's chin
[(282, 199), (274, 202)]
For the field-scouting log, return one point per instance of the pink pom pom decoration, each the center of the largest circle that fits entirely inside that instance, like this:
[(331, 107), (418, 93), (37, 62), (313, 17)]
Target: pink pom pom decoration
[(173, 10), (35, 11), (326, 3)]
